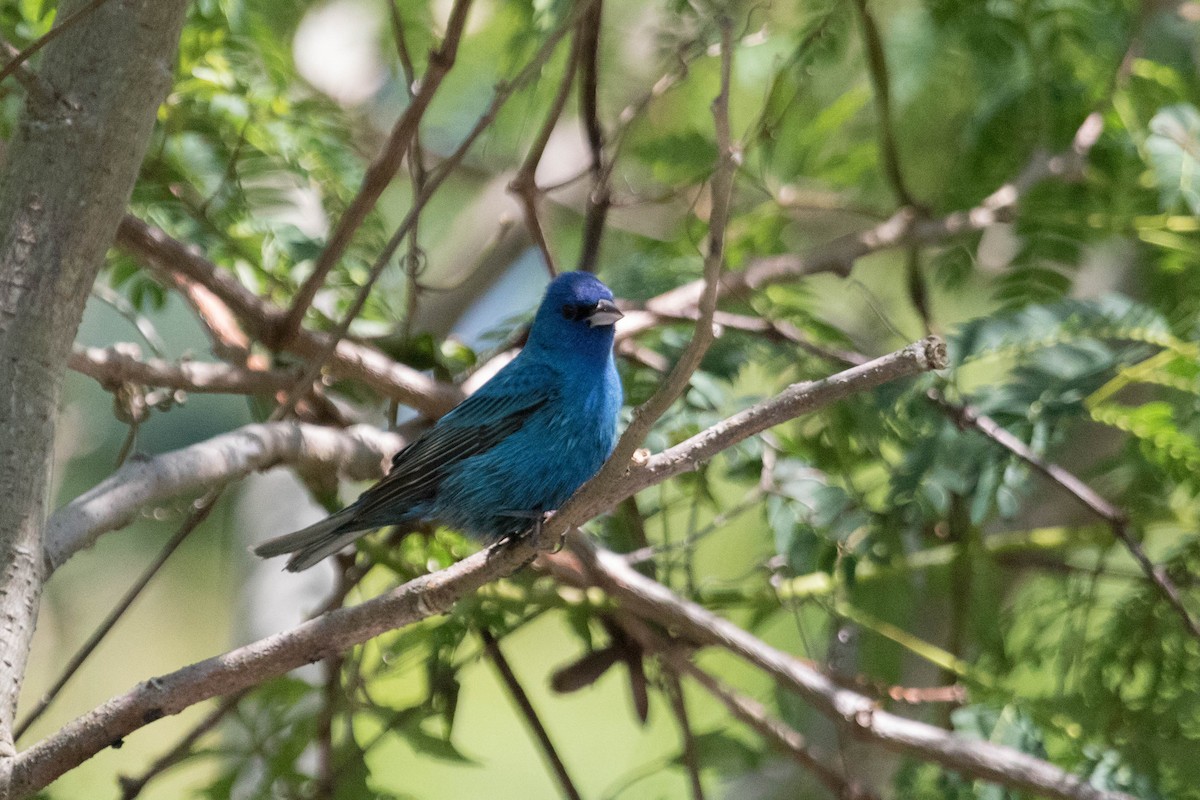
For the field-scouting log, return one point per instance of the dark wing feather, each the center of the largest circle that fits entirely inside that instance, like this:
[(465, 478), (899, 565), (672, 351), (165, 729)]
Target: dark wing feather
[(473, 428)]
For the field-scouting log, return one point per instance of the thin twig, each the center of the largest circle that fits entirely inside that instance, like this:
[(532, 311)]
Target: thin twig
[(773, 330), (524, 183), (501, 97), (509, 678), (61, 27), (414, 259), (721, 189), (132, 787), (331, 689), (647, 553), (1117, 519), (691, 757), (881, 84), (37, 88), (918, 289), (599, 193), (378, 175)]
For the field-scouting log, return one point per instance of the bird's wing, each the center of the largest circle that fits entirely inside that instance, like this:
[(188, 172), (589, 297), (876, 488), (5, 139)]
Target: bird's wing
[(479, 423)]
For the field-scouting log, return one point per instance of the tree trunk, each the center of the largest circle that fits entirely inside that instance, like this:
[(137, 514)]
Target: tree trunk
[(70, 169)]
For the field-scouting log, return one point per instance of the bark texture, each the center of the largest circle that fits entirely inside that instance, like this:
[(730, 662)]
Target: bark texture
[(69, 172)]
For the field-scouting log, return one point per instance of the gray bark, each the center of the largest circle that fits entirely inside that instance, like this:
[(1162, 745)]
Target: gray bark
[(70, 169)]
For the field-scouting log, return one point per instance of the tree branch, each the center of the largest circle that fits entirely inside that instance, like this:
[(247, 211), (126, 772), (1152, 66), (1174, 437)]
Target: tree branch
[(193, 521), (62, 26), (901, 229), (122, 363), (69, 171), (248, 666), (524, 183), (167, 256), (757, 717), (691, 756), (500, 97), (859, 715), (36, 88), (132, 787), (418, 599), (599, 195), (359, 452)]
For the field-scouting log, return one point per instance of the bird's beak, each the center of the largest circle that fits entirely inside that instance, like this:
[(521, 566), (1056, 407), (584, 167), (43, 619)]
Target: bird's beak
[(606, 313)]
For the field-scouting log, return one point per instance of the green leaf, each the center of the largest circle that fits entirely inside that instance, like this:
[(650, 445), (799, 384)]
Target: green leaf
[(1155, 425), (677, 157), (1173, 148), (434, 746)]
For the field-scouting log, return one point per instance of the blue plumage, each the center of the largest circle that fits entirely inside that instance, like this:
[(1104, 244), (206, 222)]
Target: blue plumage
[(518, 447)]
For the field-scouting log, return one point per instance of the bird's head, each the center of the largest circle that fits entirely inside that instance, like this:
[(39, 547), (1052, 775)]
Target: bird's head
[(577, 313)]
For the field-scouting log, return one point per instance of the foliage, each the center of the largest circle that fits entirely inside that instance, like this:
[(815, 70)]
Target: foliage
[(1073, 325)]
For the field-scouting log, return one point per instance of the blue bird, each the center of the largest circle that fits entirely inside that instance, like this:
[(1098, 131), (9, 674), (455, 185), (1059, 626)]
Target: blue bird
[(518, 447)]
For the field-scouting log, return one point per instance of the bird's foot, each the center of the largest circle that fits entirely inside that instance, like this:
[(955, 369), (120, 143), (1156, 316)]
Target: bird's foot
[(534, 531), (557, 543), (539, 523)]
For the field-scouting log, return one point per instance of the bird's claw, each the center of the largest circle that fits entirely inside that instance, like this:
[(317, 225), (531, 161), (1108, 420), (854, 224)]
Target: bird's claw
[(559, 541), (534, 531)]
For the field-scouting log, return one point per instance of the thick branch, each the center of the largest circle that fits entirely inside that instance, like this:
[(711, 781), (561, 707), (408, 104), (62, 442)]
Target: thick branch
[(359, 452), (68, 174), (123, 363)]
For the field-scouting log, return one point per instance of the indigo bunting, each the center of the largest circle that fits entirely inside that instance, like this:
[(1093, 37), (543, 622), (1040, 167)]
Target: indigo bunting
[(518, 447)]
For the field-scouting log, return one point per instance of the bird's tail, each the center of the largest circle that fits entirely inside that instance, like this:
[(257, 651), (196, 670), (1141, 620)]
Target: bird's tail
[(310, 545)]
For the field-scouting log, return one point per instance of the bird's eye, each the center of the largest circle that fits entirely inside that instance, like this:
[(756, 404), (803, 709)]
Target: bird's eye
[(576, 311)]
